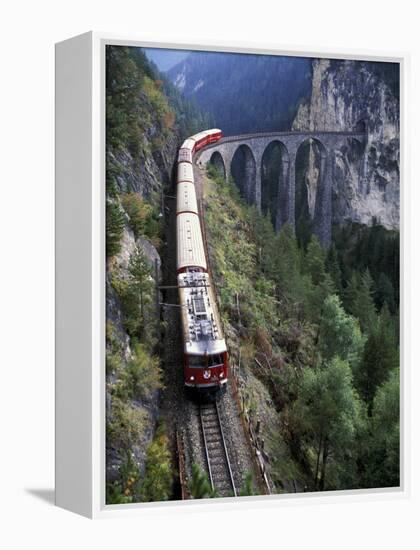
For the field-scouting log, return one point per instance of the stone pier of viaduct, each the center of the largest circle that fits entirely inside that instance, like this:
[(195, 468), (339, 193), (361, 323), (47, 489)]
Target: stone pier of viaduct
[(253, 147)]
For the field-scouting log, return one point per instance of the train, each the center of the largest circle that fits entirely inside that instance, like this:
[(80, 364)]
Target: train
[(205, 355)]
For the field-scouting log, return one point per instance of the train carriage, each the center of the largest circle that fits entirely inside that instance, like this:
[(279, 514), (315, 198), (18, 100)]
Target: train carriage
[(185, 172), (186, 198), (201, 140), (190, 247)]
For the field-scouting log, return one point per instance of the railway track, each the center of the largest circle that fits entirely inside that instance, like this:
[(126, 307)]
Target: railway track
[(217, 457)]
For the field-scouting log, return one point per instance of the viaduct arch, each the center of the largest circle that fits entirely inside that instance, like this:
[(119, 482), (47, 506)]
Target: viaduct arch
[(253, 150)]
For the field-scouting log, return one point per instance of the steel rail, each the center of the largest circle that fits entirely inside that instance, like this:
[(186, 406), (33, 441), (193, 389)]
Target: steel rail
[(223, 446), (226, 452), (206, 448)]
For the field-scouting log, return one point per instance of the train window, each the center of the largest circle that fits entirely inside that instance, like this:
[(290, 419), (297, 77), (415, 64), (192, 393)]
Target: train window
[(215, 360), (197, 361), (204, 361)]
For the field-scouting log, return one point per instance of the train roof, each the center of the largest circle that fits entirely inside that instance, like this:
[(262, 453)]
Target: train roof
[(184, 155), (200, 135), (214, 131), (185, 172), (190, 247), (188, 144), (186, 198), (205, 133), (201, 324)]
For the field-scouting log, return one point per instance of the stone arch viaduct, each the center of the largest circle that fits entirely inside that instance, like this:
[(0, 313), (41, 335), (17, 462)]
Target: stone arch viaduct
[(253, 147)]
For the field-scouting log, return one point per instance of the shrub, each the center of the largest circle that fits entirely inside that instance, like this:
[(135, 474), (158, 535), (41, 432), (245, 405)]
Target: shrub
[(138, 211), (200, 485), (125, 424), (143, 375), (247, 489), (157, 482), (125, 489), (144, 218)]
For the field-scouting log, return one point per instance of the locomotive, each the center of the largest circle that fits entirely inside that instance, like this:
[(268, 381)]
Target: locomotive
[(205, 354)]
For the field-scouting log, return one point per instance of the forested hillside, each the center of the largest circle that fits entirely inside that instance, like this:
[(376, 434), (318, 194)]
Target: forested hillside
[(146, 121), (315, 334), (244, 93)]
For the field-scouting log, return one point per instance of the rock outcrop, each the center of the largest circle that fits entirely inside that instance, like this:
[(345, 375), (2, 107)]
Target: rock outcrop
[(358, 95)]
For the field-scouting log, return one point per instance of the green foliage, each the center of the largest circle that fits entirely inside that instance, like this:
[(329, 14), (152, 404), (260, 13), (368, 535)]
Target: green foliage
[(244, 293), (373, 248), (384, 464), (380, 357), (114, 228), (247, 489), (123, 490), (113, 363), (136, 295), (142, 375), (157, 482), (143, 217), (134, 100), (339, 333), (362, 305), (115, 494), (125, 424), (329, 414), (200, 485), (333, 268), (315, 261), (140, 101)]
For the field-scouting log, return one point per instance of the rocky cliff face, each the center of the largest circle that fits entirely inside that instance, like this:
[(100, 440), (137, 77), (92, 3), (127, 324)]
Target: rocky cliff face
[(349, 95), (149, 172), (147, 407)]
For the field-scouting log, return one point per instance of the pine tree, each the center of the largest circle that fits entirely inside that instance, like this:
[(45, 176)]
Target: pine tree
[(382, 457), (329, 415), (315, 261), (289, 280), (332, 267), (380, 357), (339, 333), (140, 273), (114, 228), (359, 302), (351, 291), (385, 293)]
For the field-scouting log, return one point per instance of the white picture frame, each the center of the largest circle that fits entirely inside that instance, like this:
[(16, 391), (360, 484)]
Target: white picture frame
[(80, 276)]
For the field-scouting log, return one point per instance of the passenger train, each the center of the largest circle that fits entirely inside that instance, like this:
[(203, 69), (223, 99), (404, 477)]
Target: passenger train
[(206, 366)]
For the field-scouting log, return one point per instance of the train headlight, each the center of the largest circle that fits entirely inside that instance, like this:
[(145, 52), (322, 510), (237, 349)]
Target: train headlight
[(221, 375), (191, 378)]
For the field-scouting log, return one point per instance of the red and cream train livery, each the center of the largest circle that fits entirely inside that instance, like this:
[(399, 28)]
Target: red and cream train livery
[(205, 354)]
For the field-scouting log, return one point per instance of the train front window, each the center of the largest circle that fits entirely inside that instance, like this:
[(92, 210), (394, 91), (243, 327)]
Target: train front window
[(197, 361), (215, 360), (205, 361)]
